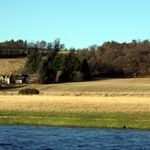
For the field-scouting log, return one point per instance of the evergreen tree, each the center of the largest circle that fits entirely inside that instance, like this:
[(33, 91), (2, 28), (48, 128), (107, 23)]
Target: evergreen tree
[(70, 65), (46, 73), (86, 70), (33, 62)]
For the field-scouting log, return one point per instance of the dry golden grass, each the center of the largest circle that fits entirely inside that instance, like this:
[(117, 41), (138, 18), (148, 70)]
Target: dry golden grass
[(12, 65), (102, 87), (73, 104), (109, 87)]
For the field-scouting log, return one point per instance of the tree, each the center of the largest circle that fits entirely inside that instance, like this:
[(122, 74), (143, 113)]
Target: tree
[(46, 73), (49, 46), (70, 65), (57, 46), (85, 70), (33, 62), (43, 44)]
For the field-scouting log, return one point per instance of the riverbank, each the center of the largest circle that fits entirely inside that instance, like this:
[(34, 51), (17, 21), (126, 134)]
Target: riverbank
[(76, 111), (92, 120)]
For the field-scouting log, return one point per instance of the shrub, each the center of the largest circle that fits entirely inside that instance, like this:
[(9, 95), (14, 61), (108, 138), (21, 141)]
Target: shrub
[(28, 91)]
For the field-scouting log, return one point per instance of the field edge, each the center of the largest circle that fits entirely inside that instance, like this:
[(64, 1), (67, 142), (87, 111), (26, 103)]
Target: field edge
[(120, 120)]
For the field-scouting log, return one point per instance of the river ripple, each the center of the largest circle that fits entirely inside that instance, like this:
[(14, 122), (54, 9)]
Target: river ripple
[(60, 138)]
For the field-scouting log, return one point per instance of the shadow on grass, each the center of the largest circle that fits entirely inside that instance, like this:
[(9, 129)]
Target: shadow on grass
[(9, 87)]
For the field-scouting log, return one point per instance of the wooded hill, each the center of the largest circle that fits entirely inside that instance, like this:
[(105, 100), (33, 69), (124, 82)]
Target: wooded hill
[(111, 59)]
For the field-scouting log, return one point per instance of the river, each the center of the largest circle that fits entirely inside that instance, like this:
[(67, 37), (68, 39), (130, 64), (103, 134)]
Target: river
[(61, 138)]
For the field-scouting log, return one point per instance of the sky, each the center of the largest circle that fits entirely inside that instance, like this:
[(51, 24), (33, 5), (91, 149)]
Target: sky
[(78, 23)]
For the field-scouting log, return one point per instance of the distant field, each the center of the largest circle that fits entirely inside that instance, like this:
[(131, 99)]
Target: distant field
[(12, 65), (102, 87)]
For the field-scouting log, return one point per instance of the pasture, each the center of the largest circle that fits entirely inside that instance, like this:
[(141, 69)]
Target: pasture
[(107, 103), (101, 87), (11, 65), (76, 111)]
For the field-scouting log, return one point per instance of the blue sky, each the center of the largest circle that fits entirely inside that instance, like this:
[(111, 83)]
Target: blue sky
[(78, 23)]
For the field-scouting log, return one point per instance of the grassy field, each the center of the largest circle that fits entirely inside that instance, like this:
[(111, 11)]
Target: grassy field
[(83, 111), (11, 65), (73, 104), (115, 103), (103, 87), (139, 120)]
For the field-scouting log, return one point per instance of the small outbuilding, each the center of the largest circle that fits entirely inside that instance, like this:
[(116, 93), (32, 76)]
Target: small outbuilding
[(20, 79), (13, 79), (5, 79)]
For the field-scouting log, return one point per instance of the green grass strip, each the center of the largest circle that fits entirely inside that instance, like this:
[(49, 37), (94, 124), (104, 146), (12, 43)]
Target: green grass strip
[(139, 120)]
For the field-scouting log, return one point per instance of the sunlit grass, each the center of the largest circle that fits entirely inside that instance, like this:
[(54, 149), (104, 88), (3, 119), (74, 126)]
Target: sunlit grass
[(75, 104), (103, 87), (11, 65), (82, 111)]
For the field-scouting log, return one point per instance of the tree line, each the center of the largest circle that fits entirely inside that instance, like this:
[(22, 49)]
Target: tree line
[(111, 59), (114, 59), (56, 67), (21, 48)]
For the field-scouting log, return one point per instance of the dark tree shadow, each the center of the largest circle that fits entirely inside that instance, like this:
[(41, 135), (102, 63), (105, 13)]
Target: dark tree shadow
[(9, 87)]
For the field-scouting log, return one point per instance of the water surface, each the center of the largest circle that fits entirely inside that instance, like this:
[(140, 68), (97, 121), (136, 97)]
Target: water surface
[(60, 138)]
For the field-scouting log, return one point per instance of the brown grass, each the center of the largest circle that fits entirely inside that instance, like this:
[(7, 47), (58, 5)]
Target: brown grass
[(105, 87), (73, 104), (11, 65)]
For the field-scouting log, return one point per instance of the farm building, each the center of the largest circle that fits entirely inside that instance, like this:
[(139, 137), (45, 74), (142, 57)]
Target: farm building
[(13, 79), (4, 79)]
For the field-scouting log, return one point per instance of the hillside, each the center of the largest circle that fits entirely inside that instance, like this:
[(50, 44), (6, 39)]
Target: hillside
[(12, 65)]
